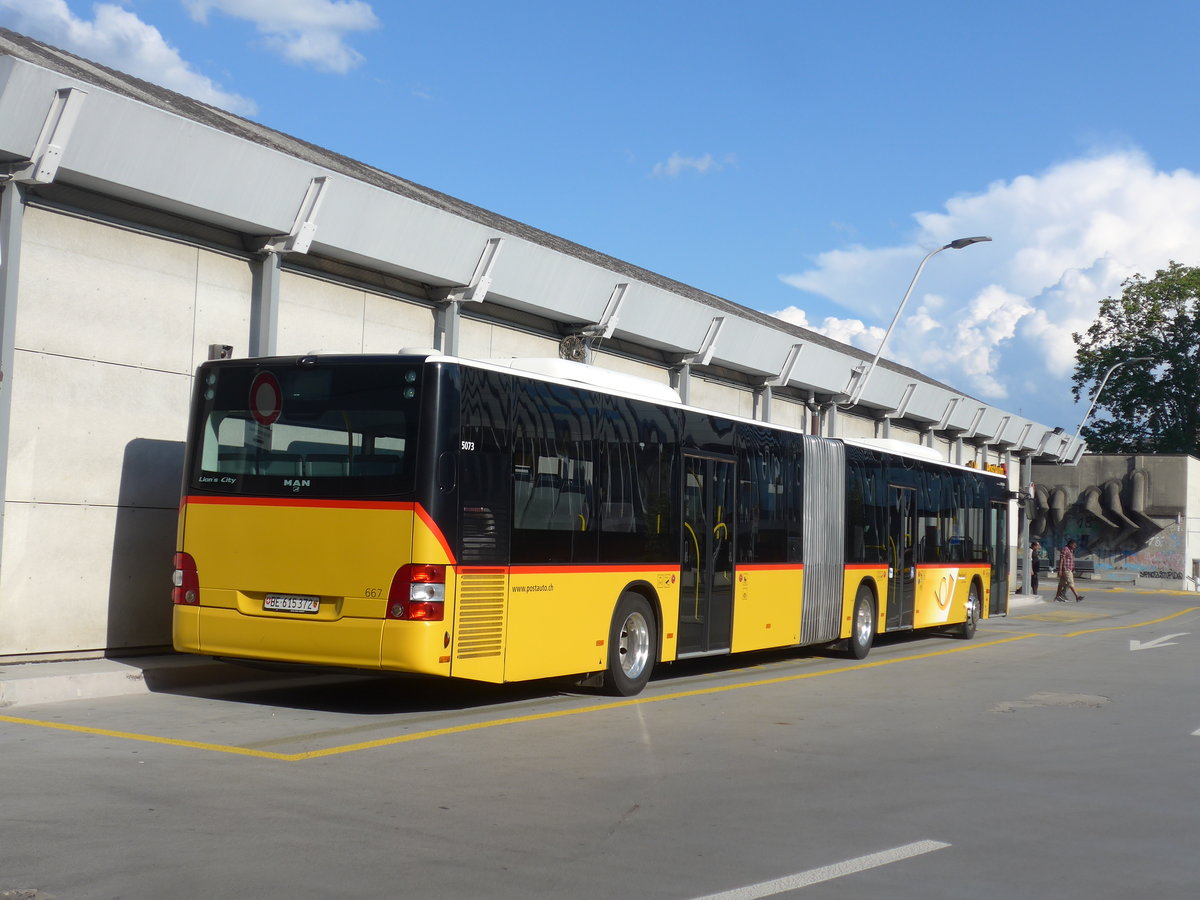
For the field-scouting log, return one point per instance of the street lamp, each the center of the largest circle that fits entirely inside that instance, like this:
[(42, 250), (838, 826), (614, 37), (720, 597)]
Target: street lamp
[(953, 245), (1096, 396)]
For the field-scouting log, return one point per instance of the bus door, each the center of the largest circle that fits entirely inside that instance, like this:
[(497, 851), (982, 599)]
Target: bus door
[(706, 573), (998, 557), (902, 568)]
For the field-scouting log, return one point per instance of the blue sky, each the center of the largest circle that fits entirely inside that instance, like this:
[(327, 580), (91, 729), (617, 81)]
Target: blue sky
[(796, 157)]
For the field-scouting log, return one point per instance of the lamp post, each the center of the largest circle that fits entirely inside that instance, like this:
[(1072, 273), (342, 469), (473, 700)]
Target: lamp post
[(953, 245), (1096, 396)]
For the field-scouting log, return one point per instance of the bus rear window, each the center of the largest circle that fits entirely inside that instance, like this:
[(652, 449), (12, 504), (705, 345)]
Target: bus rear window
[(329, 430)]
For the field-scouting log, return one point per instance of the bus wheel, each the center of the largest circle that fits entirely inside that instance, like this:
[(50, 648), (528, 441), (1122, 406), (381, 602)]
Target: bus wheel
[(862, 629), (631, 646), (966, 630)]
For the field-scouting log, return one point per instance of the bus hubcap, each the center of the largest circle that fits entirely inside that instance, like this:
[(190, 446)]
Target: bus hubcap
[(863, 622), (634, 646)]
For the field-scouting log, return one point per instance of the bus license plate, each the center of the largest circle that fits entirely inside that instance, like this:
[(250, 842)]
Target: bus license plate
[(293, 603)]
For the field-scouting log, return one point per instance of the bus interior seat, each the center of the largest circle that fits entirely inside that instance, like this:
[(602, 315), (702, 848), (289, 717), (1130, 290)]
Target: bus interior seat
[(270, 463), (617, 517), (539, 509), (568, 512), (326, 464), (375, 464), (522, 489), (235, 462)]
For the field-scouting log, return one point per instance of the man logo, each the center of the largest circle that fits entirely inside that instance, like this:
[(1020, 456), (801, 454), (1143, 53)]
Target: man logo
[(296, 483)]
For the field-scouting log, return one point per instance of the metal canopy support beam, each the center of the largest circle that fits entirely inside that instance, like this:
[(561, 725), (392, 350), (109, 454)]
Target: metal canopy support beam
[(590, 335), (12, 210), (975, 422), (708, 346), (765, 392), (762, 402), (300, 237), (611, 315), (828, 424), (268, 275), (681, 372), (906, 398), (448, 316), (944, 421), (998, 437), (681, 379), (264, 305), (42, 166)]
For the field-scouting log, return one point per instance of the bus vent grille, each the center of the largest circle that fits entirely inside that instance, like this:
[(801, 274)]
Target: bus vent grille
[(480, 614)]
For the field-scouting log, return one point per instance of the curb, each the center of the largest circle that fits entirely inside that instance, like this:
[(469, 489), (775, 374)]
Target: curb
[(27, 684)]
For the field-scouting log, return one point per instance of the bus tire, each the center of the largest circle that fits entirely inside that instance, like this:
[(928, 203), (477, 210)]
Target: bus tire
[(967, 629), (632, 646), (862, 625)]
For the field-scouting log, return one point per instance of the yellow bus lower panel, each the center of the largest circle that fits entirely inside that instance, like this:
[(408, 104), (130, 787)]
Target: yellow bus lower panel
[(418, 647), (942, 592), (557, 621), (185, 629), (766, 608), (345, 642), (876, 579)]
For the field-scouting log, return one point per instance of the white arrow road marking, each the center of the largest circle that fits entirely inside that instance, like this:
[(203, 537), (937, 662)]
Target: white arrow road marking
[(827, 873), (1157, 642)]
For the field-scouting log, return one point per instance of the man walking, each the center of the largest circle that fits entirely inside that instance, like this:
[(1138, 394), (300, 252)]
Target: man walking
[(1066, 573)]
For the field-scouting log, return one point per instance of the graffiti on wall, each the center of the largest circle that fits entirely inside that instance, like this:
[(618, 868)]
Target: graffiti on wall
[(1110, 523)]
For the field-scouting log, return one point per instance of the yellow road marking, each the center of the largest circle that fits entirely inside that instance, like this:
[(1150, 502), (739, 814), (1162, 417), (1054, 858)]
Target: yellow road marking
[(492, 723), (1190, 609), (144, 738), (543, 716)]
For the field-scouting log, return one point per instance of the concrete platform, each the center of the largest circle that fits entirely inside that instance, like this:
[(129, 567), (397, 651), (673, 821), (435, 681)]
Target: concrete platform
[(35, 683)]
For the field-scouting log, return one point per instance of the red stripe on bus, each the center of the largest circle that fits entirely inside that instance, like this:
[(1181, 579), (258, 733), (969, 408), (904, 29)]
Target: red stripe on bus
[(769, 567), (427, 520), (295, 502), (874, 566), (594, 570)]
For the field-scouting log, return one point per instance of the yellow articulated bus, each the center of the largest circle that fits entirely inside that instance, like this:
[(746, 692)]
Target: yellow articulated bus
[(529, 519)]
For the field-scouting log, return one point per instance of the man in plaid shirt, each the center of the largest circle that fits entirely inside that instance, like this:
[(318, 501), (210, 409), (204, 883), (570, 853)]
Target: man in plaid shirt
[(1066, 573)]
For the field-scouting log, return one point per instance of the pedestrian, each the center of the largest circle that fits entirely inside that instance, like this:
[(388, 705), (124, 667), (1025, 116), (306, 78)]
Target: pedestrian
[(1035, 552), (1066, 573)]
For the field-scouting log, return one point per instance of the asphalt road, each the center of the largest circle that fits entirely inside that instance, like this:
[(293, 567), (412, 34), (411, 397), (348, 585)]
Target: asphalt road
[(1055, 755)]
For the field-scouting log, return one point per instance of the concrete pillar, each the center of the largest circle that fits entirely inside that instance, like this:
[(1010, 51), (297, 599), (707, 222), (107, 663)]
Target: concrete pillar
[(264, 305), (12, 212)]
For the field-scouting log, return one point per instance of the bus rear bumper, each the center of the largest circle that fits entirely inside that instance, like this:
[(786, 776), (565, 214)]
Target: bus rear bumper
[(226, 632), (415, 647)]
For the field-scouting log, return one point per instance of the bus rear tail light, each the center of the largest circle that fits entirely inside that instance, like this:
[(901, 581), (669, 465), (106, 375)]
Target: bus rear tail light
[(186, 580), (418, 594)]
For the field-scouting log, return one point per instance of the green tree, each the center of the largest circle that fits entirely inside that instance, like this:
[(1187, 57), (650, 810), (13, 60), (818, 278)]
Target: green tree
[(1146, 407)]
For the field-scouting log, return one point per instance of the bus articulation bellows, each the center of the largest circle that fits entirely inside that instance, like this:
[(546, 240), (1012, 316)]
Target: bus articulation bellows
[(482, 520)]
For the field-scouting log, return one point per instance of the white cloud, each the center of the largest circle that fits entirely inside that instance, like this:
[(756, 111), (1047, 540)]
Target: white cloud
[(117, 38), (848, 331), (995, 320), (676, 165), (305, 32)]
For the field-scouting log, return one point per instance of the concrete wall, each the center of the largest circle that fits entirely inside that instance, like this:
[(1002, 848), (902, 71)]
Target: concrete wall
[(1155, 547), (111, 323)]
